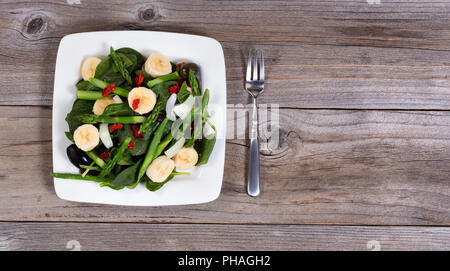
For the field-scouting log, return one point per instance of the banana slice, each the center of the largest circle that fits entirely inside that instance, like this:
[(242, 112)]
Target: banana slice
[(86, 137), (160, 169), (142, 100), (88, 67), (157, 65), (186, 158), (101, 104)]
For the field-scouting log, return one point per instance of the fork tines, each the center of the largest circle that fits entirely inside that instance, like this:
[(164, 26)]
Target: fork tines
[(255, 65)]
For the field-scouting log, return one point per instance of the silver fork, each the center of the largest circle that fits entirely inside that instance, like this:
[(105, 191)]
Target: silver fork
[(254, 84)]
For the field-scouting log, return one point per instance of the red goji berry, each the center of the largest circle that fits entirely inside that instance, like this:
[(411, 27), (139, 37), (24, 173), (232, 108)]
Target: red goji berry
[(174, 89), (139, 79), (108, 89), (131, 145), (114, 127), (136, 133), (105, 155), (136, 103)]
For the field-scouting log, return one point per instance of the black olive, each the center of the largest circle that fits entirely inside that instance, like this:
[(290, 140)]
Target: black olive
[(183, 71), (77, 157)]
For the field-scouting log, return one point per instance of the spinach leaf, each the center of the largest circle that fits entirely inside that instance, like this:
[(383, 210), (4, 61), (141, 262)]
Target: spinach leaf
[(128, 52), (126, 160), (153, 186), (79, 107), (69, 136), (183, 94), (127, 177), (122, 109), (204, 148), (105, 72), (127, 60), (162, 90), (140, 144), (86, 85), (130, 62), (108, 184)]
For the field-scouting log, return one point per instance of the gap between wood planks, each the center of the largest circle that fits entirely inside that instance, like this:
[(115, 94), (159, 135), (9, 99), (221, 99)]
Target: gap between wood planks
[(337, 225)]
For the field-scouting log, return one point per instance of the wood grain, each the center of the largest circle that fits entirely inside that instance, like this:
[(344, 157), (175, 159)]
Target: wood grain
[(364, 95), (320, 54), (331, 167), (136, 236)]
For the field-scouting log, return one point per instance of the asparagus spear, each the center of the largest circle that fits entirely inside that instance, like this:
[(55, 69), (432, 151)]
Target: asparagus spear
[(166, 141), (111, 163), (194, 83), (80, 177), (151, 152), (102, 84), (92, 119), (89, 95), (120, 67), (99, 161), (153, 115), (159, 80)]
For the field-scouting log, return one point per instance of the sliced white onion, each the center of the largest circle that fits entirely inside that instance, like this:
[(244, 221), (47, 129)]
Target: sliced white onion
[(169, 107), (175, 148), (208, 130), (117, 99), (182, 110), (105, 137)]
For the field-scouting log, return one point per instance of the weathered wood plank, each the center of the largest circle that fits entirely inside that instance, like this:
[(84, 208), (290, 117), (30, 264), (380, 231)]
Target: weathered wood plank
[(331, 167), (124, 236), (320, 54)]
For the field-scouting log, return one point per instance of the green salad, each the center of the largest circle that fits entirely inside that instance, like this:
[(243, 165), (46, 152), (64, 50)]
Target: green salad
[(138, 120)]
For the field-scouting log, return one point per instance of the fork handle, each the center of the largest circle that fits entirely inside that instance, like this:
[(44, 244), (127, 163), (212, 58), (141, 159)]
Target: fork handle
[(253, 185)]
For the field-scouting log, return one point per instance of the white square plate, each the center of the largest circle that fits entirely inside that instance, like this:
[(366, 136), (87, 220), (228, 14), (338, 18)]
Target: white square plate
[(204, 182)]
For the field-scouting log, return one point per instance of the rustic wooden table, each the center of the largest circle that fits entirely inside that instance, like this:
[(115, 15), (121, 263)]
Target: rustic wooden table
[(363, 157)]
